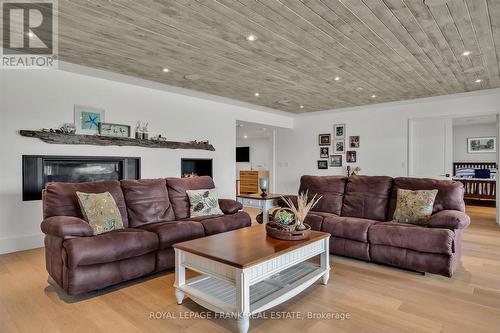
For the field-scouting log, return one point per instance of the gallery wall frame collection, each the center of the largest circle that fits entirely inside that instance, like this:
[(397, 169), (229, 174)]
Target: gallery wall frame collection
[(340, 143)]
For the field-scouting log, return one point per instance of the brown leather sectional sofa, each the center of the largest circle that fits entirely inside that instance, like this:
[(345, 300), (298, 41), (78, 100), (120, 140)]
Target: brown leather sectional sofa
[(155, 215), (358, 211)]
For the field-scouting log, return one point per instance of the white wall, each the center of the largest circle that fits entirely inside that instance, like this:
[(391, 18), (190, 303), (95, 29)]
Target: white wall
[(460, 135), (34, 99), (383, 131)]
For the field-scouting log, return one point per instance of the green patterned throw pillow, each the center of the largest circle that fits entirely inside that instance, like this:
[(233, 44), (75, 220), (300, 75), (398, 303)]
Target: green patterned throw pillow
[(204, 202), (414, 207), (100, 211)]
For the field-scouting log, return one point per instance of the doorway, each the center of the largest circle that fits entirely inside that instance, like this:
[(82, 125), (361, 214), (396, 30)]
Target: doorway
[(255, 157), (459, 148)]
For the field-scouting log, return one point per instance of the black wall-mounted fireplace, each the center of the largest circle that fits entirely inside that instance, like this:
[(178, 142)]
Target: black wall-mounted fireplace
[(38, 170), (196, 166)]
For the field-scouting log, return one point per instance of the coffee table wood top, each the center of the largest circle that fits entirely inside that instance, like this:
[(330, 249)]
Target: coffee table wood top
[(244, 247), (270, 196)]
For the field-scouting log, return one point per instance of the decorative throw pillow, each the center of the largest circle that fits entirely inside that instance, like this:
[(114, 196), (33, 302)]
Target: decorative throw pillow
[(414, 207), (100, 211), (204, 202)]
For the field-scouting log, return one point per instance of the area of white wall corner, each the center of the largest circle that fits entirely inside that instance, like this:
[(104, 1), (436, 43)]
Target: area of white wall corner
[(460, 135), (33, 99), (383, 131)]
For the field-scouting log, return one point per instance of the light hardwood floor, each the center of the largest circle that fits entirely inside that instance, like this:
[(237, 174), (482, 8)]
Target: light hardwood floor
[(378, 298)]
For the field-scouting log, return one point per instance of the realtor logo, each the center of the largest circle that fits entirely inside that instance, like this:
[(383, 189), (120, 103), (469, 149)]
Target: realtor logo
[(29, 38)]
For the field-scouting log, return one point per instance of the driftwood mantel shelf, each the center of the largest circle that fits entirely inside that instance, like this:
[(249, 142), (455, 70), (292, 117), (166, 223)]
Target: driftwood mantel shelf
[(97, 140)]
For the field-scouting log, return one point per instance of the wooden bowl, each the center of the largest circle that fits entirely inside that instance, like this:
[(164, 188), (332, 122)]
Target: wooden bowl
[(284, 232)]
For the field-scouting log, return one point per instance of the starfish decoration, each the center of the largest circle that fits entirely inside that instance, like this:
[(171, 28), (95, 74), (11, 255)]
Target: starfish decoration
[(92, 121)]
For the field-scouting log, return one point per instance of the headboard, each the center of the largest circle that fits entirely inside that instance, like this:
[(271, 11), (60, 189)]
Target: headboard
[(473, 165)]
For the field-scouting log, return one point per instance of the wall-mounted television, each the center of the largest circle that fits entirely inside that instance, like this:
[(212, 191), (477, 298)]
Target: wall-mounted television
[(242, 154)]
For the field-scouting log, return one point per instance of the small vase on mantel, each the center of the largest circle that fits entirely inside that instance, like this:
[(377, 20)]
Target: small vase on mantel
[(138, 131)]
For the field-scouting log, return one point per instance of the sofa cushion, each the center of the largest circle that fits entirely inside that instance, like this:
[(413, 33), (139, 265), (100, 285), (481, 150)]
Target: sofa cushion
[(203, 202), (414, 207), (315, 220), (173, 232), (109, 247), (223, 223), (100, 211), (367, 197), (147, 201), (348, 227), (177, 188), (59, 199), (408, 236), (450, 193), (331, 188)]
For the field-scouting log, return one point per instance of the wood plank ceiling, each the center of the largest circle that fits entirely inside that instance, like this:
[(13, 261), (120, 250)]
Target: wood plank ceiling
[(379, 50)]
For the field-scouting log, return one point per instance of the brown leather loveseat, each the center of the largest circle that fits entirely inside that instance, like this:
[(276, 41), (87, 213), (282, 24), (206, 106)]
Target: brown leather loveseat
[(357, 211), (155, 215)]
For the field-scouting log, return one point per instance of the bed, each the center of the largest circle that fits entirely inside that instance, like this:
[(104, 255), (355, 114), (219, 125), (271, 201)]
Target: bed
[(479, 179)]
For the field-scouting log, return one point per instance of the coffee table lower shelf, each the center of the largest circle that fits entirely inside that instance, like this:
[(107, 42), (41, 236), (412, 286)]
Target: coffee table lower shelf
[(220, 296), (243, 291)]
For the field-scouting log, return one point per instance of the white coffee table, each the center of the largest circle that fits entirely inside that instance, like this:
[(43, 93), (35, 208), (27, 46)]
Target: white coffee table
[(244, 272)]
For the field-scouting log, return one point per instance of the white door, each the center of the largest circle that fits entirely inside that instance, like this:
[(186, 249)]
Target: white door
[(430, 151)]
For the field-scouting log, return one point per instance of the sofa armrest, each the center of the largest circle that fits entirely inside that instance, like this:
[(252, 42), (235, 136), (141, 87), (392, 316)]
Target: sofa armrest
[(449, 219), (66, 227), (229, 206), (282, 202)]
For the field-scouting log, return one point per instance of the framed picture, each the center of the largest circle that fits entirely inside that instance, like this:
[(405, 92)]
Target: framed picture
[(87, 119), (325, 139), (336, 161), (115, 130), (339, 146), (354, 141), (482, 145), (322, 164), (324, 152), (350, 156), (339, 131)]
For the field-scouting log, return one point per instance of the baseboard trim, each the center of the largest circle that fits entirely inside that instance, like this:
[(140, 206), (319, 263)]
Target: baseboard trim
[(15, 244)]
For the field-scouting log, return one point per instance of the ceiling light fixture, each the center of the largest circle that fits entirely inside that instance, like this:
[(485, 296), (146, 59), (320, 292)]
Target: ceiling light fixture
[(336, 78), (31, 35), (374, 96), (251, 38), (165, 70), (466, 53), (478, 81), (302, 106), (245, 136), (256, 94)]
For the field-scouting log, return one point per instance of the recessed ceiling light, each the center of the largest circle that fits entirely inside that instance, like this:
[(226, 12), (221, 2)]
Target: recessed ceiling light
[(251, 38), (245, 136), (256, 94), (478, 81), (466, 53), (165, 70), (302, 106), (31, 35), (336, 78), (374, 96)]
